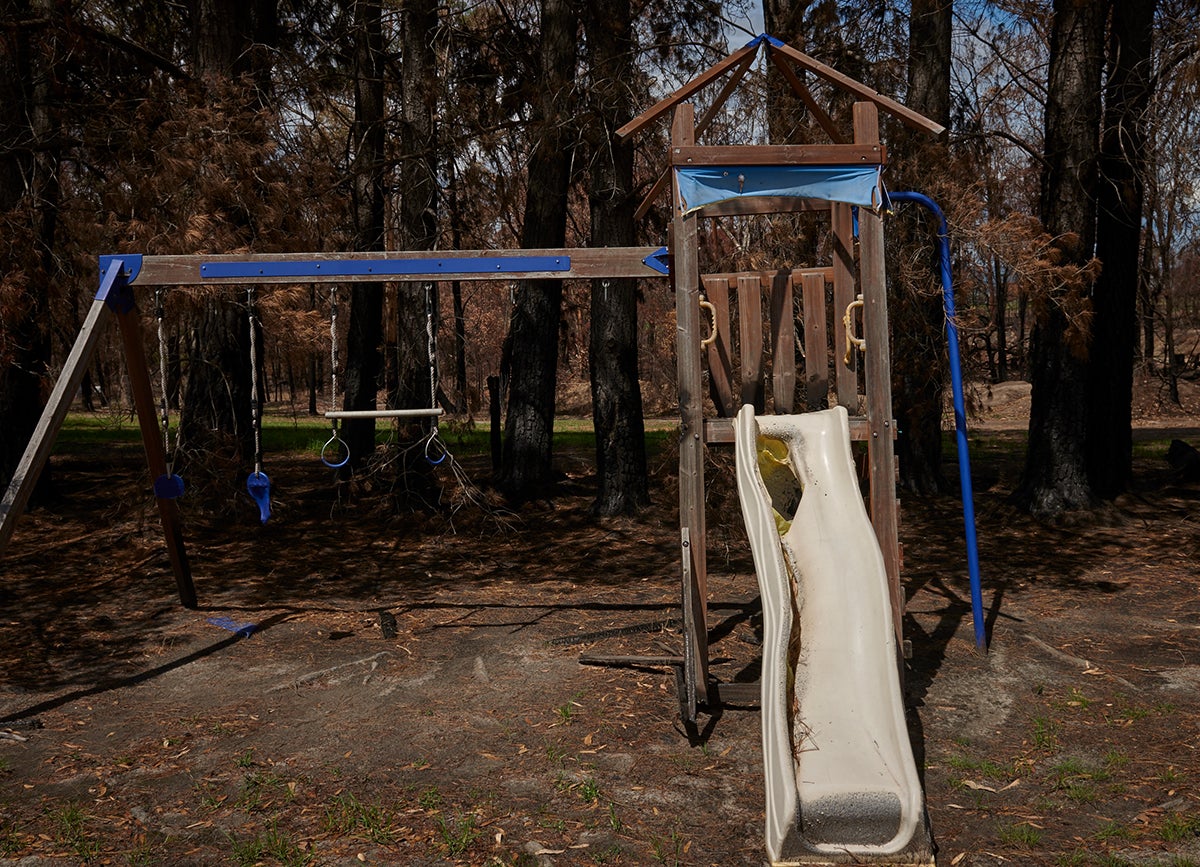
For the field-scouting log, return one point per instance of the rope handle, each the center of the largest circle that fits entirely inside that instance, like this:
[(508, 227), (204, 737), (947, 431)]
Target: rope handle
[(336, 452), (852, 340), (712, 315)]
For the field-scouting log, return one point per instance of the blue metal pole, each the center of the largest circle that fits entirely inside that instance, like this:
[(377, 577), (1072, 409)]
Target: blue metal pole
[(960, 413)]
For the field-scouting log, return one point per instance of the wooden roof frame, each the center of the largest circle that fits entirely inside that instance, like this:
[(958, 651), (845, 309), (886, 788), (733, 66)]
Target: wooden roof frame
[(785, 58)]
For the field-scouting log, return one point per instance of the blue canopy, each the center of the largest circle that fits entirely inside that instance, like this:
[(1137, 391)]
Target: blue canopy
[(706, 185)]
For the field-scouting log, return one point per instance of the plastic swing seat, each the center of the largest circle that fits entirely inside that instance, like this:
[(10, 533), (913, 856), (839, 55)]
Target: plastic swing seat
[(168, 487), (258, 486)]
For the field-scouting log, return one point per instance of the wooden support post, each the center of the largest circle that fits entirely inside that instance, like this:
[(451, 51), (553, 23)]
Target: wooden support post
[(686, 278), (844, 292), (878, 370), (816, 342), (130, 324), (783, 343)]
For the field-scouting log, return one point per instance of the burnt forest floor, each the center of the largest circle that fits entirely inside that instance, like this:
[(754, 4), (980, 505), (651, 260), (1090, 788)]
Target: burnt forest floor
[(365, 683)]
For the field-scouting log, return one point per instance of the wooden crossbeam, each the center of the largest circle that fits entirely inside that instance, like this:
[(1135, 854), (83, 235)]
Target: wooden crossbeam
[(779, 155), (583, 263)]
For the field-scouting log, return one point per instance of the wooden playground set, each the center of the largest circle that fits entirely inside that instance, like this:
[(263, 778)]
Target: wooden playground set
[(841, 306)]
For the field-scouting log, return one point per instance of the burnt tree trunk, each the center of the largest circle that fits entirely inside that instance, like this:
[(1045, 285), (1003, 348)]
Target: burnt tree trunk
[(1055, 476), (531, 348), (29, 197), (417, 308), (216, 411), (363, 358), (919, 360), (613, 355), (1118, 240)]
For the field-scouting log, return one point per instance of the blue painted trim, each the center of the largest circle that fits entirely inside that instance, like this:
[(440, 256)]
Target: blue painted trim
[(115, 274), (659, 261), (764, 37), (384, 267)]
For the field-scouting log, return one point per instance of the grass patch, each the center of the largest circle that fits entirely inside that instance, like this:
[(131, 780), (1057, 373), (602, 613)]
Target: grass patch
[(70, 831), (458, 832), (1179, 827), (1114, 831), (348, 815), (1021, 834), (271, 844), (1045, 733)]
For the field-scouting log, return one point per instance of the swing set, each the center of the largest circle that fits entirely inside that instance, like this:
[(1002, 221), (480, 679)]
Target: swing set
[(840, 181)]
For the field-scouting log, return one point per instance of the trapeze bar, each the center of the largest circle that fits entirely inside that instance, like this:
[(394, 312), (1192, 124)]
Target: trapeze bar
[(385, 267), (384, 413)]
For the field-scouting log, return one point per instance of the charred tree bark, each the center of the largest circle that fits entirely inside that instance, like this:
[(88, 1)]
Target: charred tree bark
[(613, 355), (215, 415), (919, 361), (531, 351), (1118, 240), (1055, 476), (417, 304), (29, 196), (363, 357)]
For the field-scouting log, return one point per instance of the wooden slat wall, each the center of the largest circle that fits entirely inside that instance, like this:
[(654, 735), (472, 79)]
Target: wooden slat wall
[(750, 347), (720, 353), (749, 359), (816, 343), (783, 342)]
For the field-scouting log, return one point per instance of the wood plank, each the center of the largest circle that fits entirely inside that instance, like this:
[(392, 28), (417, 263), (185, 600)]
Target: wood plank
[(750, 333), (783, 343), (41, 442), (845, 82), (693, 536), (798, 87), (720, 363), (751, 205), (720, 431), (879, 381), (779, 155), (816, 342), (766, 278), (130, 323), (586, 263), (677, 98), (844, 291)]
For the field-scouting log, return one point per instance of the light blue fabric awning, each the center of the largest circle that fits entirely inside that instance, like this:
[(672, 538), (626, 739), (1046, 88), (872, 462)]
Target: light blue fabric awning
[(706, 185)]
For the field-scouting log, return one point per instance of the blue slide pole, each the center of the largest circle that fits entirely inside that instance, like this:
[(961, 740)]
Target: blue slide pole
[(960, 413)]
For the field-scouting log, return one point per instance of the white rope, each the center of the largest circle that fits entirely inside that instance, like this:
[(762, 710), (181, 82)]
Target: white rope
[(255, 409), (164, 401)]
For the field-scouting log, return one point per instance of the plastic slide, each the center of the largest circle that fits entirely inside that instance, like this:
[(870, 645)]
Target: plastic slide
[(841, 783)]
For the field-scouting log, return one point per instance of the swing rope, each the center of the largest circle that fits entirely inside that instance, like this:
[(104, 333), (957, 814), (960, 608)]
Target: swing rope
[(433, 444), (335, 453), (168, 485), (257, 484)]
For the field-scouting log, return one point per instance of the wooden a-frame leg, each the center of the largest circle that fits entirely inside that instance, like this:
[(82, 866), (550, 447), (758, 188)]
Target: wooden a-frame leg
[(130, 324)]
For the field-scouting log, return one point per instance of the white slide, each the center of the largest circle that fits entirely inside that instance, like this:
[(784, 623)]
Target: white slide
[(841, 782)]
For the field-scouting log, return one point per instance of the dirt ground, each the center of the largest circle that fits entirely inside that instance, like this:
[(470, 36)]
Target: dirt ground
[(361, 686)]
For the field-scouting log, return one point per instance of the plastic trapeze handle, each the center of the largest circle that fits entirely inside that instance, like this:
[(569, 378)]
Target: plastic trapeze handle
[(258, 486), (335, 453), (168, 487)]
